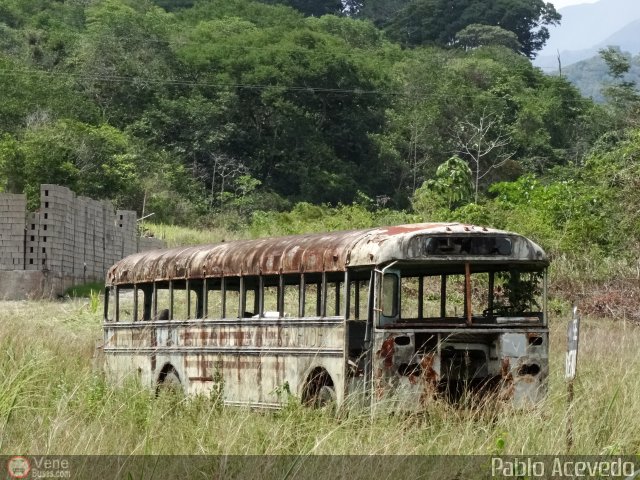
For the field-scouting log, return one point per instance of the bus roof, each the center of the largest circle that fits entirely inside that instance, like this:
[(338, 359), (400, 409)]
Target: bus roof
[(320, 252)]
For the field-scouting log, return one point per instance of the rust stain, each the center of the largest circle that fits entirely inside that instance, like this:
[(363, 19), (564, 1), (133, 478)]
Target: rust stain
[(430, 379), (505, 369), (428, 373), (508, 387), (386, 352), (328, 252), (379, 383)]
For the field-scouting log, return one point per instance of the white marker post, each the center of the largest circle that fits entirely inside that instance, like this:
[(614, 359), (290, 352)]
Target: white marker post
[(571, 364)]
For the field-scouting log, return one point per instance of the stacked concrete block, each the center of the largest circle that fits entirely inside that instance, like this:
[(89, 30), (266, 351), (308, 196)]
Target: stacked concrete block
[(54, 203), (79, 238), (127, 223), (13, 210), (73, 239), (89, 246), (97, 222), (107, 238), (113, 247), (68, 240), (33, 258)]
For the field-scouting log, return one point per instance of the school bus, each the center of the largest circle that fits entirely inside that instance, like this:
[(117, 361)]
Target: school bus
[(392, 316)]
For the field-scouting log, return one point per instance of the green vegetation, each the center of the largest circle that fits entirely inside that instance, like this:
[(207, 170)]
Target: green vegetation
[(248, 118), (53, 400), (87, 290), (206, 112)]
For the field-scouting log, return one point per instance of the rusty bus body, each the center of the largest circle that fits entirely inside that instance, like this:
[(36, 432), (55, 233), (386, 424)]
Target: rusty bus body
[(388, 316)]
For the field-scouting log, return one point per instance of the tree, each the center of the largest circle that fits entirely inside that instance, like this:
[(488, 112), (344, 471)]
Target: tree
[(123, 58), (622, 95), (451, 188), (438, 21), (475, 35), (482, 141), (380, 12), (315, 8), (305, 109), (98, 161)]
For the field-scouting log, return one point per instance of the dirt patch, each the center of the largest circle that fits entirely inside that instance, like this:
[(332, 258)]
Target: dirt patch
[(619, 299)]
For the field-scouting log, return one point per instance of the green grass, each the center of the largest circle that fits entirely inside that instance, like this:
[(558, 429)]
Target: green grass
[(54, 400), (86, 290), (175, 236)]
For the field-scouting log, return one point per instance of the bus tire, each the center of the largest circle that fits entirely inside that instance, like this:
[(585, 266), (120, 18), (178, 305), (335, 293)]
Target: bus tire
[(319, 390), (325, 397), (169, 381)]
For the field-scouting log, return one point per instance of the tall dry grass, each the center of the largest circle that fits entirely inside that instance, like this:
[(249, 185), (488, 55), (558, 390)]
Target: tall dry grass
[(53, 400)]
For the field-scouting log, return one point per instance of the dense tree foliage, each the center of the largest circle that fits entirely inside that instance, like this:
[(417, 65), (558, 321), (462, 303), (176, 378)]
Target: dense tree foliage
[(315, 8), (214, 111), (437, 22)]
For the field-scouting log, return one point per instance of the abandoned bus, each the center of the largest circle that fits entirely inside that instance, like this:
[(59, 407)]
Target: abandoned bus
[(389, 316)]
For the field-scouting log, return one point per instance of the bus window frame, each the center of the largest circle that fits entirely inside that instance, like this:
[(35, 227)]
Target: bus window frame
[(340, 284)]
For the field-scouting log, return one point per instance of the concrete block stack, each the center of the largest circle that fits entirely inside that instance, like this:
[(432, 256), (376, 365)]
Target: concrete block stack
[(79, 238), (69, 240), (90, 237), (12, 223), (33, 259), (54, 203), (127, 223), (96, 220), (68, 235), (112, 249)]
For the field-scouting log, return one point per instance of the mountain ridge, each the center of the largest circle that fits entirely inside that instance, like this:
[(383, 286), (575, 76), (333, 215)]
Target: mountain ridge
[(586, 28)]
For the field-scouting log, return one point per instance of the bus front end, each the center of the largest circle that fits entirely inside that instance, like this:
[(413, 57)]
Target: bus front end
[(462, 317)]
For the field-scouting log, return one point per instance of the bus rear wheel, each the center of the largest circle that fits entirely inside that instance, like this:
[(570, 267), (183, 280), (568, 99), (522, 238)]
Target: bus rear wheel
[(319, 391), (169, 382), (325, 397)]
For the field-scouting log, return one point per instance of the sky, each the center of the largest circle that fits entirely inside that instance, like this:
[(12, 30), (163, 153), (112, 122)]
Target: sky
[(566, 3)]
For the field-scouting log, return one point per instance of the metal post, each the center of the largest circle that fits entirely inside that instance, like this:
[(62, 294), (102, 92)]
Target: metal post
[(467, 291), (135, 303), (223, 296), (301, 295), (356, 300), (281, 296), (443, 296), (420, 297)]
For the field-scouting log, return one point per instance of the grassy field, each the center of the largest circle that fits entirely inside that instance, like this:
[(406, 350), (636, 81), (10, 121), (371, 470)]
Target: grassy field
[(53, 400)]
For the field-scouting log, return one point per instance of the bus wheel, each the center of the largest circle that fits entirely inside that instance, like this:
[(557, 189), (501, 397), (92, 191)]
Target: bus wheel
[(326, 397), (319, 391), (169, 382)]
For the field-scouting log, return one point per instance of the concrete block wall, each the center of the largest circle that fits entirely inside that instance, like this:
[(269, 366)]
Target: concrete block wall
[(33, 259), (12, 233), (75, 239)]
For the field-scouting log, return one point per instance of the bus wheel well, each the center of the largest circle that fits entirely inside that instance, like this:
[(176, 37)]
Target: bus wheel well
[(168, 379), (318, 387)]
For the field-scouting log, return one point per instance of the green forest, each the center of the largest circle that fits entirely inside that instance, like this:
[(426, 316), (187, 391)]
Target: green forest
[(284, 116)]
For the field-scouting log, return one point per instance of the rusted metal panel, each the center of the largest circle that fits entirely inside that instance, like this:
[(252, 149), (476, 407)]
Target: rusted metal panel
[(327, 252), (407, 376), (248, 363)]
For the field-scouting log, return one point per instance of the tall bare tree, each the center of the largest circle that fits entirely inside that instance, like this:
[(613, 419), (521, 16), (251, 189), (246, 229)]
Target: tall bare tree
[(484, 143)]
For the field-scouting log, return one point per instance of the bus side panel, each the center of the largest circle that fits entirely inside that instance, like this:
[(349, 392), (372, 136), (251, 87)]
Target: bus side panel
[(253, 362)]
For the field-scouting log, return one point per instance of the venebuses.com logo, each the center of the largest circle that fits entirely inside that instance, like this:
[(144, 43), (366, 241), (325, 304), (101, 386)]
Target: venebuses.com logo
[(18, 467), (38, 467)]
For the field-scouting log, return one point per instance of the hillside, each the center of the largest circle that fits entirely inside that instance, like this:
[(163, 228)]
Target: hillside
[(591, 75), (586, 28)]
